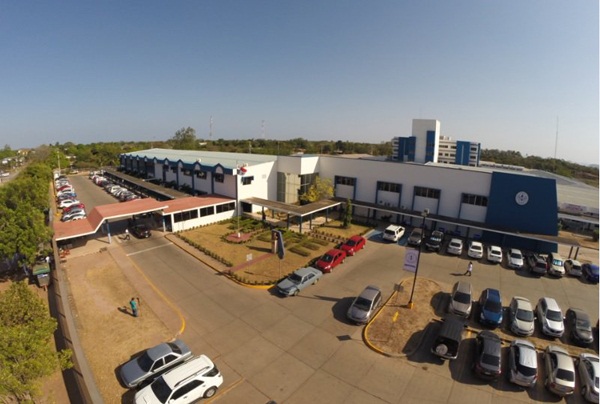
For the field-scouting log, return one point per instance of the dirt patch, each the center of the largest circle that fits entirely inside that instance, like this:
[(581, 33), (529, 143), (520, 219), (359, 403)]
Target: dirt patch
[(108, 333), (398, 329)]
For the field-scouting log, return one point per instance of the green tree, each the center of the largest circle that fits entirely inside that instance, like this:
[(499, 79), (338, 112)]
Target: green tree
[(26, 353), (321, 188), (347, 214), (184, 139)]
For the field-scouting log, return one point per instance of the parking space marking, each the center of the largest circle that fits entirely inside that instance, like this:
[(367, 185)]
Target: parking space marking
[(149, 249)]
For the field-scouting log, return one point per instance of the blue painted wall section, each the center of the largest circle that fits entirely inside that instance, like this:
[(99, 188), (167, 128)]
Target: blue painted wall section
[(430, 145), (538, 216), (463, 149)]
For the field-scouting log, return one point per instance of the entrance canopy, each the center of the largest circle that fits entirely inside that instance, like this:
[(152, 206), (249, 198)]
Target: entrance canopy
[(91, 224), (294, 210)]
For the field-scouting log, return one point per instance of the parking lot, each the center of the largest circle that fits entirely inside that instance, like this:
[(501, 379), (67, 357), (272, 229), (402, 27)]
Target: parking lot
[(301, 349)]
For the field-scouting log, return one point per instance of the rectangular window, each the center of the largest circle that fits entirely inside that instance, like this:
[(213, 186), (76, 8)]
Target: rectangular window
[(209, 210), (477, 200), (187, 173), (201, 175), (187, 215), (389, 187), (339, 180), (247, 180), (174, 169), (427, 192), (226, 207), (219, 177)]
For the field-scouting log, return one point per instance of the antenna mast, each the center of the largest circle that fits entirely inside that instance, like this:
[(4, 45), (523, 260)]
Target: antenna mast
[(556, 144)]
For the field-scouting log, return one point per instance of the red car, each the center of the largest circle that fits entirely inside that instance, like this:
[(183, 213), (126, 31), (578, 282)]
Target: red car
[(73, 207), (353, 245), (330, 260)]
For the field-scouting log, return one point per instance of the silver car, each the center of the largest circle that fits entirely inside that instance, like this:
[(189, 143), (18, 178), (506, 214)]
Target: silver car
[(461, 299), (521, 316), (364, 306), (515, 259), (153, 362), (573, 267), (455, 246), (589, 373), (522, 363), (560, 371)]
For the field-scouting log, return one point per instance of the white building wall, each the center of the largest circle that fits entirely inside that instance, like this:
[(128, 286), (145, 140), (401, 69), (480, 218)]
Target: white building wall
[(201, 221), (344, 191), (419, 130), (264, 184)]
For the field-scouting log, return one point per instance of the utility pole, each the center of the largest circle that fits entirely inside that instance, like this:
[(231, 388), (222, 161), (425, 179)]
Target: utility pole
[(556, 144)]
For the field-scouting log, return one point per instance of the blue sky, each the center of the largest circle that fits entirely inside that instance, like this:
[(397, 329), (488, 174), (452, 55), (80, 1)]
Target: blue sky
[(496, 72)]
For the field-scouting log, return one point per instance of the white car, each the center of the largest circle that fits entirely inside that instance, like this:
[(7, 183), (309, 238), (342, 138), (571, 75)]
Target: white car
[(560, 371), (475, 250), (455, 246), (522, 363), (550, 317), (195, 379), (68, 202), (74, 216), (573, 267), (515, 259), (393, 233), (588, 366), (494, 254)]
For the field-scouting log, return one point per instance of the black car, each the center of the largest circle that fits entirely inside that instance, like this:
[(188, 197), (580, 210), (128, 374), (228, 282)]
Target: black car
[(488, 355), (590, 272), (580, 326), (434, 241), (140, 231)]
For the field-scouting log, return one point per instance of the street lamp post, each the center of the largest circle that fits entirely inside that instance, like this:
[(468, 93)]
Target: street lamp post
[(424, 214)]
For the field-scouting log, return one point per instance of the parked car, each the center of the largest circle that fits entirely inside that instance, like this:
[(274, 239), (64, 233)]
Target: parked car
[(590, 272), (556, 264), (475, 250), (537, 264), (365, 305), (434, 241), (140, 230), (580, 326), (573, 267), (415, 237), (560, 371), (353, 245), (550, 317), (330, 260), (153, 362), (73, 207), (515, 258), (298, 280), (455, 247), (195, 379), (447, 342), (73, 217), (522, 318), (488, 355), (461, 299), (68, 202), (393, 233), (490, 304), (494, 254), (522, 363), (588, 366)]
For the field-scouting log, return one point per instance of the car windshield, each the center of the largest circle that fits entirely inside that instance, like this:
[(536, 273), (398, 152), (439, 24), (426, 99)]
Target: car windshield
[(462, 297), (516, 256), (594, 269), (557, 263), (454, 244), (351, 243), (327, 258), (596, 382), (525, 315), (362, 303), (565, 375), (161, 390), (174, 348), (582, 323), (391, 232), (526, 370), (295, 278), (144, 362), (554, 315), (495, 307), (491, 360), (476, 247), (435, 236)]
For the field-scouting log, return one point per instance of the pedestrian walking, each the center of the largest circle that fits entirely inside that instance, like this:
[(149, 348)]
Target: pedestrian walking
[(469, 269), (134, 306), (126, 234)]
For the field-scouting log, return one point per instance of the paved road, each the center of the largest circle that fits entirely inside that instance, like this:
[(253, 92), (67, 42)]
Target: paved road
[(300, 349)]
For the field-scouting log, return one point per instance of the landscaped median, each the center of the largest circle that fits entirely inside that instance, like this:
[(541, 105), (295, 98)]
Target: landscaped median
[(397, 330)]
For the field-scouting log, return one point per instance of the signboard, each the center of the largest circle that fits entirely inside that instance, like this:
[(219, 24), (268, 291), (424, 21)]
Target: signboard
[(410, 260)]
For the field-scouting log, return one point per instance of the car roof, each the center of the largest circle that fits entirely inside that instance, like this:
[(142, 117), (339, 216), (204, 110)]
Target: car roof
[(456, 240), (464, 287), (159, 351), (476, 243), (528, 354), (306, 271), (523, 303), (492, 294), (563, 358), (493, 348), (515, 250), (580, 314), (187, 369), (370, 292), (551, 303)]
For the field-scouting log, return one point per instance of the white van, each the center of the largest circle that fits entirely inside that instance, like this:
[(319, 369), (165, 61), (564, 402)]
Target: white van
[(393, 233)]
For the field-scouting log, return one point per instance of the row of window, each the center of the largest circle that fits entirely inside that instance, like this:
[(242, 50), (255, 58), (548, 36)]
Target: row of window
[(477, 200), (207, 211), (339, 180)]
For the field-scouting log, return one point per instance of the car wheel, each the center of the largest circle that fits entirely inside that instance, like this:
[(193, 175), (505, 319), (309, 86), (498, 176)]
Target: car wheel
[(315, 282), (295, 293), (441, 349), (210, 392)]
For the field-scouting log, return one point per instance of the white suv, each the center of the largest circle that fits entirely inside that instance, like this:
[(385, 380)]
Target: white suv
[(393, 233), (188, 382)]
